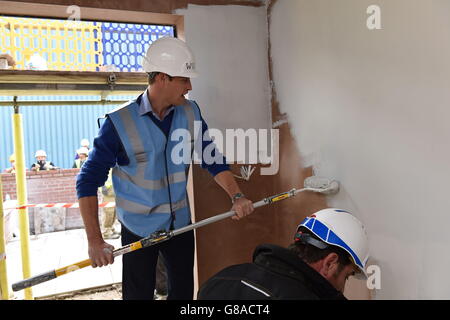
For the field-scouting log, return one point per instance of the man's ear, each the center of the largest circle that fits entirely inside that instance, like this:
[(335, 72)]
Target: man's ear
[(165, 78), (329, 264), (159, 77)]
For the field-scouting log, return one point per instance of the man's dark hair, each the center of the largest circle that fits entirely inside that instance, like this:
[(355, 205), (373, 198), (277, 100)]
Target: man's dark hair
[(310, 253), (152, 76)]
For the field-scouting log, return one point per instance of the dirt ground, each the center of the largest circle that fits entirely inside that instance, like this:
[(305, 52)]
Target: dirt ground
[(109, 292)]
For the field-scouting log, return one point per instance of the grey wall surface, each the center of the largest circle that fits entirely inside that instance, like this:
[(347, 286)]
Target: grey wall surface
[(370, 108)]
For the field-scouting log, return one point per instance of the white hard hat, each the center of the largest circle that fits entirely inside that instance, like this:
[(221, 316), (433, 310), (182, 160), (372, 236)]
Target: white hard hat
[(339, 228), (83, 150), (171, 56), (40, 153), (84, 143)]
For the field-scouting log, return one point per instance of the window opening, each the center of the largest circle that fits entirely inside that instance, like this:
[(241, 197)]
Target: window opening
[(70, 45)]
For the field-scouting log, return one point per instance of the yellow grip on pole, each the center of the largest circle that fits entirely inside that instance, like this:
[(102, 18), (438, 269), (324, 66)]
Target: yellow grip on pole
[(281, 197), (73, 267), (136, 245)]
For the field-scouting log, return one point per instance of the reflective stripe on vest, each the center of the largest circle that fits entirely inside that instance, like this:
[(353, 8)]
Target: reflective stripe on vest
[(140, 181), (139, 208), (141, 156)]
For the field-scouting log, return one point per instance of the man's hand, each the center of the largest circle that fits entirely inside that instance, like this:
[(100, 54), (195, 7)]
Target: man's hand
[(243, 207), (101, 254)]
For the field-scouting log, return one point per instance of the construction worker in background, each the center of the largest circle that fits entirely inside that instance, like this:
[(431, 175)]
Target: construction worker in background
[(10, 62), (84, 143), (41, 162), (150, 186), (12, 160), (109, 213), (330, 246), (83, 154)]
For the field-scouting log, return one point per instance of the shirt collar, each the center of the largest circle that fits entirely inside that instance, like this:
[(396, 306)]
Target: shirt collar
[(145, 106)]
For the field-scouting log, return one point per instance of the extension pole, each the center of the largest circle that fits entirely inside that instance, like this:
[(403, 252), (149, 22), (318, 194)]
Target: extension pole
[(153, 239), (22, 196), (4, 287)]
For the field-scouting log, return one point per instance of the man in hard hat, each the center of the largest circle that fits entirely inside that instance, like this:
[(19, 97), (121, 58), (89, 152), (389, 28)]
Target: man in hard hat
[(137, 139), (84, 143), (83, 154), (41, 162), (9, 59), (12, 160), (329, 247)]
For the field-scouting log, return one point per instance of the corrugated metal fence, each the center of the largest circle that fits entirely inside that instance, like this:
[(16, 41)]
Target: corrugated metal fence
[(56, 129)]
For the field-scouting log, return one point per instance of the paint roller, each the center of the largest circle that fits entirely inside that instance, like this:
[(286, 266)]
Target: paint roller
[(314, 184)]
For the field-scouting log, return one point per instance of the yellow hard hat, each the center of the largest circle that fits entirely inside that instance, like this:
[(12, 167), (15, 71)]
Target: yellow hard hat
[(12, 158)]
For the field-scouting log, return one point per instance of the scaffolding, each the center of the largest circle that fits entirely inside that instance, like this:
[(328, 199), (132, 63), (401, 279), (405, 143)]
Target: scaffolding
[(22, 82)]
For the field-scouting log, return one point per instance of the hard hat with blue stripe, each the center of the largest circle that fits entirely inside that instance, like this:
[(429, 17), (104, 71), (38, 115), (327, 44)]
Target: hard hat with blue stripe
[(339, 228)]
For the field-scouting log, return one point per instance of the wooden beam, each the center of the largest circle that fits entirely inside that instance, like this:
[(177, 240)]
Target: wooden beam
[(86, 14), (76, 77), (26, 82)]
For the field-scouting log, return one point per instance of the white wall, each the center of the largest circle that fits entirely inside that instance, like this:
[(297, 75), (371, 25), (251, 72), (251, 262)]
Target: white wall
[(230, 46), (371, 109)]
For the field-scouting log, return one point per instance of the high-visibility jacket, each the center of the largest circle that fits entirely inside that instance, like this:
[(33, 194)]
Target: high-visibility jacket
[(78, 163), (151, 190)]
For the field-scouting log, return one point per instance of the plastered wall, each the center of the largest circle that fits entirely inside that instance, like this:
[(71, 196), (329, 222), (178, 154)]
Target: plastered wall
[(230, 45), (234, 91), (370, 108)]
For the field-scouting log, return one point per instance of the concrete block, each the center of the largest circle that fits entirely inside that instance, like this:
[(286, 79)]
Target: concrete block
[(49, 220)]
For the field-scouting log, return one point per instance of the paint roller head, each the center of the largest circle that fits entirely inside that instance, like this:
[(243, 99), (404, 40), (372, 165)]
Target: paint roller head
[(322, 185)]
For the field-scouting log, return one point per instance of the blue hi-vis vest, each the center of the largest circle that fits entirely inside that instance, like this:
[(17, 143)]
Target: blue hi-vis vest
[(151, 189)]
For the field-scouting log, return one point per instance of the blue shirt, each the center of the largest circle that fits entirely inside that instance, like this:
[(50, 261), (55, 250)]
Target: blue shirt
[(108, 151)]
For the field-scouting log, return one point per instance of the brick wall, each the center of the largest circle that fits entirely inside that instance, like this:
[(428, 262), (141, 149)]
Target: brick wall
[(44, 186), (55, 186)]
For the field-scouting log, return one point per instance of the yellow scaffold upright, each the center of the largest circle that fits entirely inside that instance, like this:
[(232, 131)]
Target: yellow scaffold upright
[(22, 196)]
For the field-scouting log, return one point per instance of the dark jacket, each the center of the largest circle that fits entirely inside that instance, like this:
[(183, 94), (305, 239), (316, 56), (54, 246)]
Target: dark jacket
[(42, 166), (276, 273)]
